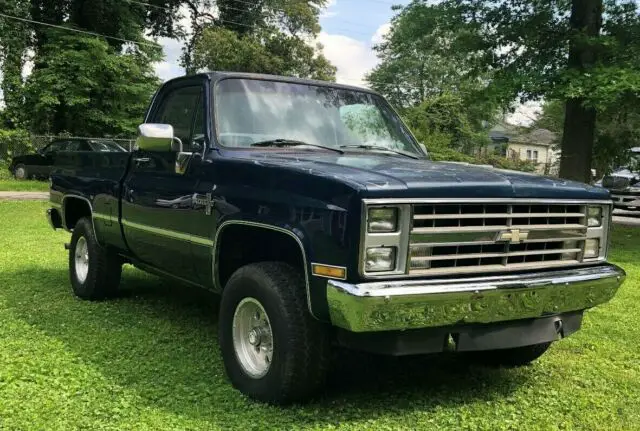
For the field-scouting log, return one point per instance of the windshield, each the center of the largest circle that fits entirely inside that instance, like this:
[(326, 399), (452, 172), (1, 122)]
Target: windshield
[(105, 146), (253, 111)]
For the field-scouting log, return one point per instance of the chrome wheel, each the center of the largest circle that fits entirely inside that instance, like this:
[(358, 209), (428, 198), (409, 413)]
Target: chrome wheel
[(252, 338), (82, 259), (20, 173)]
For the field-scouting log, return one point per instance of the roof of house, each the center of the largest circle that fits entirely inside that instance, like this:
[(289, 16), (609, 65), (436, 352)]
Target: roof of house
[(522, 135)]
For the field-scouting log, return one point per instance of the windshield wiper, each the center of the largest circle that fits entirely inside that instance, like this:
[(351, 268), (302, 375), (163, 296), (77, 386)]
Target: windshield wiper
[(380, 148), (292, 143)]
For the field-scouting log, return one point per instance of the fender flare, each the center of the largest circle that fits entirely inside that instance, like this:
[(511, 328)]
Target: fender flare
[(305, 261)]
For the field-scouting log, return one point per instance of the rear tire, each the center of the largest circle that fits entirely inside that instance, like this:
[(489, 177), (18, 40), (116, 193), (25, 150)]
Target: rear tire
[(511, 358), (20, 172), (296, 346), (94, 271)]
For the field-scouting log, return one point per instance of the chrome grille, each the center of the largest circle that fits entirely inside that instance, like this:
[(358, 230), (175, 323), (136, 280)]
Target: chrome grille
[(455, 238)]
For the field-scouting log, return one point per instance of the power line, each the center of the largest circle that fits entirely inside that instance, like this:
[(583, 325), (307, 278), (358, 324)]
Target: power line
[(155, 45), (77, 30), (244, 10)]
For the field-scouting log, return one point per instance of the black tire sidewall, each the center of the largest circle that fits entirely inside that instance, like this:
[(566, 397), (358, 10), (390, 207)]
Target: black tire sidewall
[(248, 285), (84, 229)]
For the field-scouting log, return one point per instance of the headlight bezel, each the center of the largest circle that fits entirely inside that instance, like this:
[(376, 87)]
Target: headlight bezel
[(600, 232)]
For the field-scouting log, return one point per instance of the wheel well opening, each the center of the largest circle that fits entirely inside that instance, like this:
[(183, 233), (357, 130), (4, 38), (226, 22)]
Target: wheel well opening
[(240, 245), (74, 210)]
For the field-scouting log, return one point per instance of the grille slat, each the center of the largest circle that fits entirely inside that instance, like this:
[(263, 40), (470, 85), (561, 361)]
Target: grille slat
[(471, 237)]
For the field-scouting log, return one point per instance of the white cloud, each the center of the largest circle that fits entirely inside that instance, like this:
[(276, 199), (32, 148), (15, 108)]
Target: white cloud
[(525, 114), (170, 67), (352, 57), (380, 33), (326, 11)]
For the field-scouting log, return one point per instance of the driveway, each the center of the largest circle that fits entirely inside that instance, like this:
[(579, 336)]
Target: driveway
[(627, 218), (24, 196)]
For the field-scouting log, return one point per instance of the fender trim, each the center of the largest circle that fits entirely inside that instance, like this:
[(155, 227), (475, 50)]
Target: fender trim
[(305, 262)]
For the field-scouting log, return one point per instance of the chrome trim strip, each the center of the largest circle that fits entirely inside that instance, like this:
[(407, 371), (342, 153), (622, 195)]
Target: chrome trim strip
[(391, 201), (454, 285), (169, 233), (413, 304), (216, 280), (105, 217), (330, 266)]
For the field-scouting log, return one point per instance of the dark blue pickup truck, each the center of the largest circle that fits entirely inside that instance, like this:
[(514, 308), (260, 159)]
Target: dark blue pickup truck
[(321, 221)]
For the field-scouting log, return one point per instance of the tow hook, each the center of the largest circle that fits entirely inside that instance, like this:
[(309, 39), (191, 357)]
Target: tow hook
[(559, 328)]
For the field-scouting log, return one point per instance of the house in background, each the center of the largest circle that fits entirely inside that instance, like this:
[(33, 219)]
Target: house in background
[(520, 143)]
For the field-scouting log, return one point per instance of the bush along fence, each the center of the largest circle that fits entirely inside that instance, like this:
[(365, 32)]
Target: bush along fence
[(16, 142)]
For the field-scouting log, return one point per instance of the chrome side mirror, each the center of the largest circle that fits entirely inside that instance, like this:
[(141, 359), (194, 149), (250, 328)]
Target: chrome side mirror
[(157, 137)]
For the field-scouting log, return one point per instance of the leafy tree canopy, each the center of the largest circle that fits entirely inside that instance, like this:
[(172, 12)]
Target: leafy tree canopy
[(88, 89), (582, 52), (269, 36)]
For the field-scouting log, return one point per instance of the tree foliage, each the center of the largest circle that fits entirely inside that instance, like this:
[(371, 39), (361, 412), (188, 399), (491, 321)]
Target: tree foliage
[(582, 52), (442, 124), (617, 130), (267, 36), (102, 93)]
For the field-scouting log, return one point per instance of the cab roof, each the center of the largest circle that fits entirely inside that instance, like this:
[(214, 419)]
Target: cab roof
[(216, 76)]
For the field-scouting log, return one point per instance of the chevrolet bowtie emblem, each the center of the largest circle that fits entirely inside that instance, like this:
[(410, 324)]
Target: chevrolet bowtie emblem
[(514, 236)]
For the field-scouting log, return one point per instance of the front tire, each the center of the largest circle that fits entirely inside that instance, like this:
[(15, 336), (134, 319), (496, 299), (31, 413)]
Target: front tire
[(273, 350), (94, 271), (512, 358)]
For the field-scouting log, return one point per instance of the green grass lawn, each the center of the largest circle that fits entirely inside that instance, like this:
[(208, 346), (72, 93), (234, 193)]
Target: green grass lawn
[(150, 361), (11, 185)]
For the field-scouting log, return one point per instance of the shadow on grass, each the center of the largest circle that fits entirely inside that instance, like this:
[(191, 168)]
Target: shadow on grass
[(160, 341)]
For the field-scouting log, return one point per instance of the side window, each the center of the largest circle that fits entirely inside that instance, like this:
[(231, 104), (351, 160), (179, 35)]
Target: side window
[(198, 124), (74, 146), (57, 146), (179, 108)]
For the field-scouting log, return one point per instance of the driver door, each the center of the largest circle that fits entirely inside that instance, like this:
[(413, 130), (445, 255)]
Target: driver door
[(158, 213)]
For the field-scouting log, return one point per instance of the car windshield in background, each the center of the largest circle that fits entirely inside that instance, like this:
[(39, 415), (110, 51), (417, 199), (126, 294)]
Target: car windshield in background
[(250, 111), (106, 146)]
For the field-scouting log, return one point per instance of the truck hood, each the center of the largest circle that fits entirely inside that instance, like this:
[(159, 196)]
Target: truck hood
[(382, 175)]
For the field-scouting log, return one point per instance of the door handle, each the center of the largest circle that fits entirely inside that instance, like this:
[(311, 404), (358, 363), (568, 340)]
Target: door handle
[(141, 160)]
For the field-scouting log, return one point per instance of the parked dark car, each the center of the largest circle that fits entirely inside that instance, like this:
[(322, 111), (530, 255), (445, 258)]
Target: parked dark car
[(624, 183), (39, 165)]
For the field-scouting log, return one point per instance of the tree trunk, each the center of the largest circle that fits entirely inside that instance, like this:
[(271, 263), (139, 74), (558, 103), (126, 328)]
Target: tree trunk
[(580, 121)]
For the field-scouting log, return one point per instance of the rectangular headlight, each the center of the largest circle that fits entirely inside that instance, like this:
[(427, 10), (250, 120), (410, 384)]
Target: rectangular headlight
[(380, 259), (594, 216), (382, 220), (591, 248)]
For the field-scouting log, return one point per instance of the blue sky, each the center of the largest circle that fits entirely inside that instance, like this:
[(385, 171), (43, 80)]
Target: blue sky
[(349, 30)]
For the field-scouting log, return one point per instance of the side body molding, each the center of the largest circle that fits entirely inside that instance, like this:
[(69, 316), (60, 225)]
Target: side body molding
[(216, 244)]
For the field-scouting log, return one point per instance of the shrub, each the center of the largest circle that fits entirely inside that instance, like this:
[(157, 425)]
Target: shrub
[(14, 143)]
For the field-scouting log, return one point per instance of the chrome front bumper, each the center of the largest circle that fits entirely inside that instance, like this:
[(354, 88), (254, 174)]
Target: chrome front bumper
[(414, 304)]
